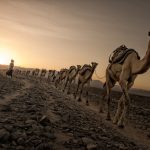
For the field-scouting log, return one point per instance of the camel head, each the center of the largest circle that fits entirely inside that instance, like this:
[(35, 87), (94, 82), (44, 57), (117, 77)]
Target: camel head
[(94, 64), (37, 70), (78, 67)]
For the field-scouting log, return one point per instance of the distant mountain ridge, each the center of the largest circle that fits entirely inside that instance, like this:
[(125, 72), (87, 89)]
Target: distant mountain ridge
[(3, 66), (97, 84), (141, 92)]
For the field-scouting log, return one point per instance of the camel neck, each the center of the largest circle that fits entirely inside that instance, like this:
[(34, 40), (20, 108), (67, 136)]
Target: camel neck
[(143, 65)]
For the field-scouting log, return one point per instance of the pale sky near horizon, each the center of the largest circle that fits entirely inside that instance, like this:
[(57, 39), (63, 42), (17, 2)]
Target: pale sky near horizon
[(56, 34)]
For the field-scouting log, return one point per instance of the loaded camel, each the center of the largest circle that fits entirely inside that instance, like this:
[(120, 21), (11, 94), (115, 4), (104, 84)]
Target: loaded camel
[(124, 69), (84, 77), (36, 73), (43, 73), (71, 76), (51, 74), (60, 77), (28, 72), (63, 74)]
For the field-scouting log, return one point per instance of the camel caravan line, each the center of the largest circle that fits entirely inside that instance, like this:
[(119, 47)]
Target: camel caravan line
[(123, 67)]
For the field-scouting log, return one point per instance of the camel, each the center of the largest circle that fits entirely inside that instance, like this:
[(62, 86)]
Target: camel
[(36, 72), (51, 74), (71, 76), (19, 72), (43, 73), (16, 72), (125, 74), (28, 72), (84, 77), (23, 73), (61, 76)]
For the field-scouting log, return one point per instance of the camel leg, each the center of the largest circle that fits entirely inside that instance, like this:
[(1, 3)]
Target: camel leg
[(108, 104), (101, 107), (65, 85), (124, 114), (126, 104), (59, 82), (53, 79), (64, 81), (120, 103), (119, 110), (73, 83), (80, 93), (56, 83), (107, 87), (78, 84), (69, 85), (87, 93)]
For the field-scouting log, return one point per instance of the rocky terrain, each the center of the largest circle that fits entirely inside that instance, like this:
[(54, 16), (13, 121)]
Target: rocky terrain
[(34, 115)]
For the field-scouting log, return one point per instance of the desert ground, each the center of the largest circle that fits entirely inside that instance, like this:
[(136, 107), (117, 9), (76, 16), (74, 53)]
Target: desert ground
[(36, 115)]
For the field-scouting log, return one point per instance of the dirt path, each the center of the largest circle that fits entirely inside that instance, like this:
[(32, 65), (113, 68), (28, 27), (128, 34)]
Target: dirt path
[(38, 116), (8, 97)]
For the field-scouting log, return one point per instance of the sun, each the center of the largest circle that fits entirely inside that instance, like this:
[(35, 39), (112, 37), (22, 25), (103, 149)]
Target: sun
[(5, 56)]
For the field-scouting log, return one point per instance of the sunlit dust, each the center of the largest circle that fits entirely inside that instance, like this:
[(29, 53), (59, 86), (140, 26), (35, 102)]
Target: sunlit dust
[(5, 56)]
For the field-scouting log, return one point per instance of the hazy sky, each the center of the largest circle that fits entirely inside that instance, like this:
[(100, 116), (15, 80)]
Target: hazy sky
[(55, 34)]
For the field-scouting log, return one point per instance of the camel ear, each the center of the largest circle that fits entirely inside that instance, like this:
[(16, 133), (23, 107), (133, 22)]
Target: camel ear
[(149, 33)]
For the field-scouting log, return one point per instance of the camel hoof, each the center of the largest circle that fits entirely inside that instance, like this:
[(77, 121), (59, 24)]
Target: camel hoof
[(68, 93), (108, 118), (101, 111), (87, 104), (121, 126), (74, 95), (79, 99), (115, 121)]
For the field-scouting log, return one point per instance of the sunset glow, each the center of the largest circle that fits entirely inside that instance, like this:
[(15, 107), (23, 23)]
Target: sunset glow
[(5, 56), (57, 34)]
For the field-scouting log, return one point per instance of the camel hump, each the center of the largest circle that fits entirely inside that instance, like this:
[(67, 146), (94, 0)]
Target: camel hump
[(84, 69), (63, 70), (120, 55), (71, 68)]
